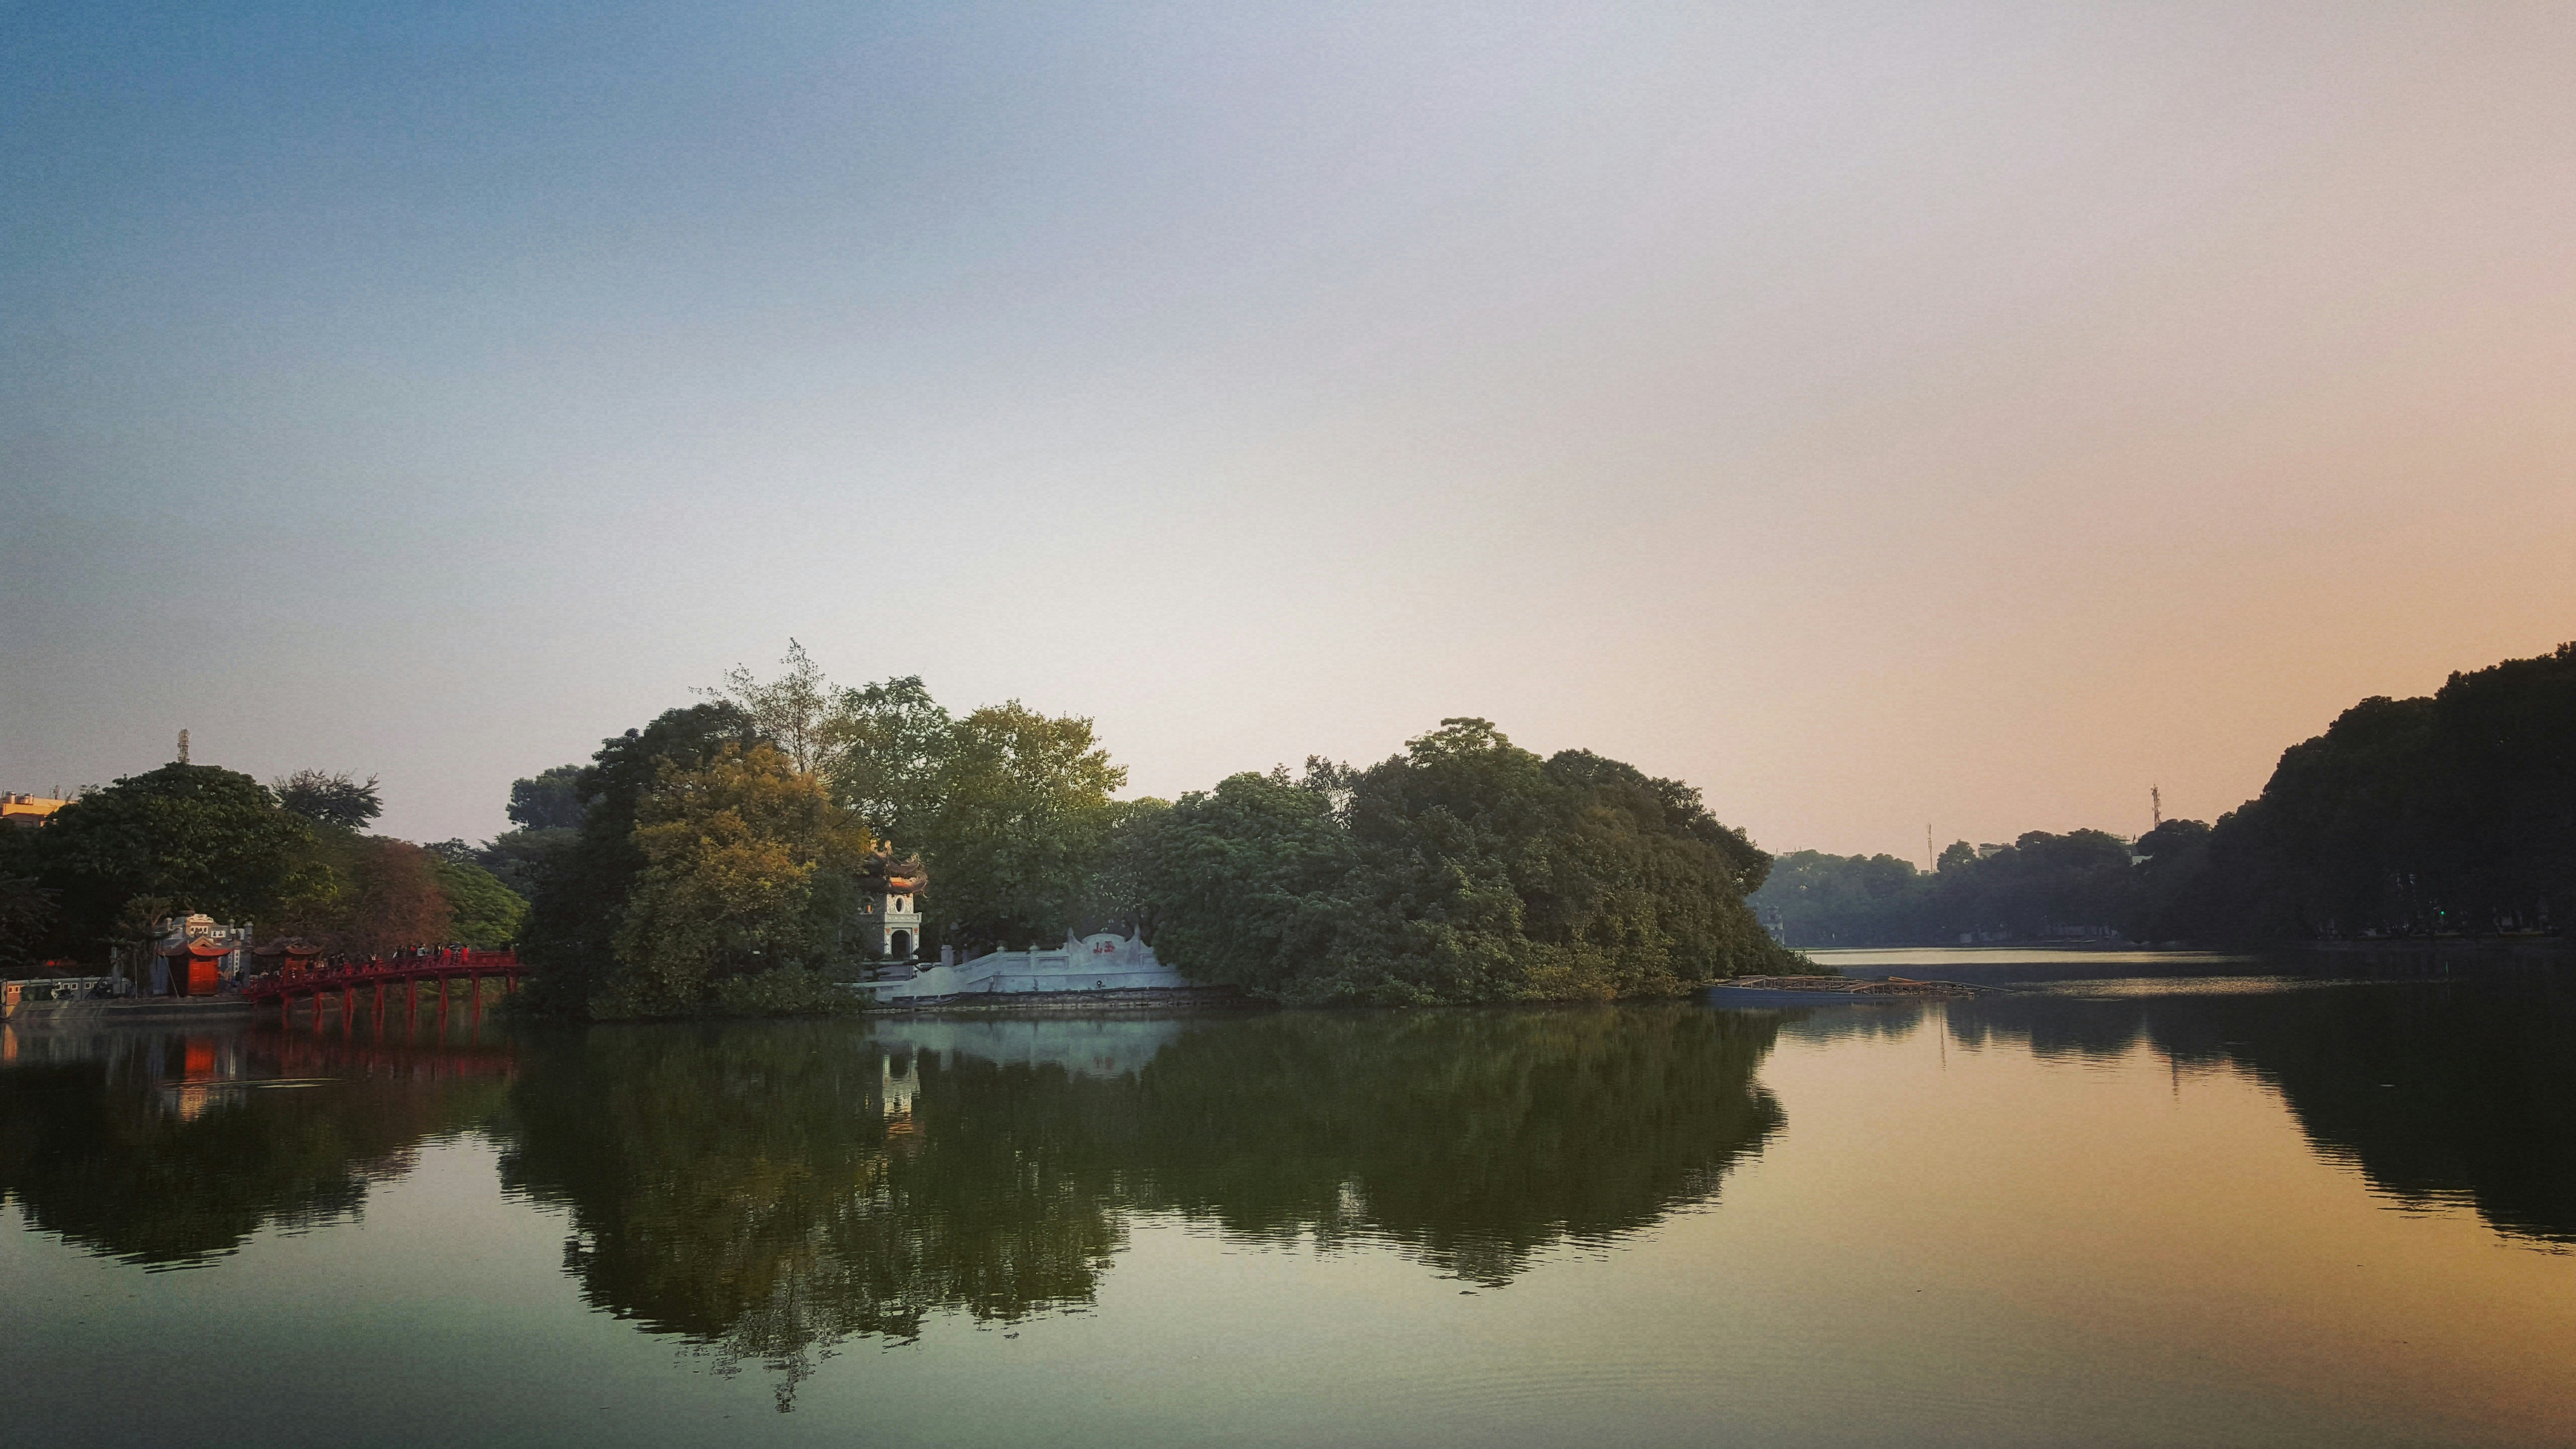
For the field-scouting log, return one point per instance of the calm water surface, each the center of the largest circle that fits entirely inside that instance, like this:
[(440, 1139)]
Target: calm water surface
[(2156, 1200)]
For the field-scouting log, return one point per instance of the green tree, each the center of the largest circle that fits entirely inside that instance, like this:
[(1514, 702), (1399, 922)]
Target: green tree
[(1023, 814), (2039, 886), (341, 801), (2453, 813), (548, 800), (2171, 877), (485, 912), (27, 915), (203, 838), (1247, 881), (1465, 869), (365, 895), (792, 712), (1815, 899), (747, 864), (1121, 894), (580, 898), (519, 859), (1008, 807), (889, 746)]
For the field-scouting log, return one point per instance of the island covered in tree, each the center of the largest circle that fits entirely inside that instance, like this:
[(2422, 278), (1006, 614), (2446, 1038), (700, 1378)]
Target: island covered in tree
[(707, 859)]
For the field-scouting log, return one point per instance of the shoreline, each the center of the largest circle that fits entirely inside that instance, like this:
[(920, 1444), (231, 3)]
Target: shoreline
[(131, 1008), (2427, 945)]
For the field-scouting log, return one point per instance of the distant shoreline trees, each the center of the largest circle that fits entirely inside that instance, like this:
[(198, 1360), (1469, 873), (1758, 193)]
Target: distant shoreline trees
[(2452, 814), (2041, 886)]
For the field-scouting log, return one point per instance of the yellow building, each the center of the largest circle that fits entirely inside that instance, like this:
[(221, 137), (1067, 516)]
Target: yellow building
[(29, 810)]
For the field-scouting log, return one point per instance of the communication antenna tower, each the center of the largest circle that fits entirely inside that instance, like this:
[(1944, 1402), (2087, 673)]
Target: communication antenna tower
[(1931, 857), (183, 747), (2156, 803)]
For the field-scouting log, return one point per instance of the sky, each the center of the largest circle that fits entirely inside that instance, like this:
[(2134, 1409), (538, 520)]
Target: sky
[(1879, 416)]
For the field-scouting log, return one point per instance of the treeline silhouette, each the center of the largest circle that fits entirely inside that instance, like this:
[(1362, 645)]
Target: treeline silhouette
[(2453, 814)]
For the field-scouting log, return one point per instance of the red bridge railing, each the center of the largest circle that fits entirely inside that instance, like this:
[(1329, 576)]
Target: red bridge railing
[(409, 970)]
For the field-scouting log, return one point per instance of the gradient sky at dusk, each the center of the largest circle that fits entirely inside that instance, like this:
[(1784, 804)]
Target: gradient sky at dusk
[(1875, 415)]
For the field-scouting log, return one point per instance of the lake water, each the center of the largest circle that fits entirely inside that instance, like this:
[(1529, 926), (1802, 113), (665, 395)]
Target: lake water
[(2153, 1200)]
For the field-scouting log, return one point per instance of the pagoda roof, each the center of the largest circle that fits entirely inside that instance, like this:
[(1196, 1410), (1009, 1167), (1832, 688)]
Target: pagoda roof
[(198, 947)]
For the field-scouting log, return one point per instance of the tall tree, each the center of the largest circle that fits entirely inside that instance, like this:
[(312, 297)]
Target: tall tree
[(548, 800), (365, 895), (485, 912), (1023, 814), (1121, 896), (793, 712), (1248, 879), (200, 837), (580, 899), (747, 864), (888, 745), (27, 915), (341, 801)]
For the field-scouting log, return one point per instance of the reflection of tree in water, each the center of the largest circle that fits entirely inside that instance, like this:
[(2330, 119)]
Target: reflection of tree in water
[(1871, 1021), (741, 1187), (770, 1191), (1470, 1138), (2435, 1090), (165, 1151)]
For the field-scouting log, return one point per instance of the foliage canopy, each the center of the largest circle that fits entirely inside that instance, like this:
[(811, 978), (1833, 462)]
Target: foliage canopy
[(1465, 869), (196, 837), (747, 869), (339, 801), (2453, 813)]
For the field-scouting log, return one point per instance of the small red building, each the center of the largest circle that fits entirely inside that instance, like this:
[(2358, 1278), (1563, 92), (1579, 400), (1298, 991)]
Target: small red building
[(195, 966), (288, 956)]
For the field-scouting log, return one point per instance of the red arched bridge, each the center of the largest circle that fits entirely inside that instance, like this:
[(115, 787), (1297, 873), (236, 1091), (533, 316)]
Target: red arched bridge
[(438, 967)]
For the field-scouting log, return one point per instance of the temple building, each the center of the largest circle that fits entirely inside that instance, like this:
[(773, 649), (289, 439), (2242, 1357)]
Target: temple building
[(197, 956), (889, 915)]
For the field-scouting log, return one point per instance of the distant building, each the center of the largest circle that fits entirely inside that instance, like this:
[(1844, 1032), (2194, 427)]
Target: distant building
[(28, 810)]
